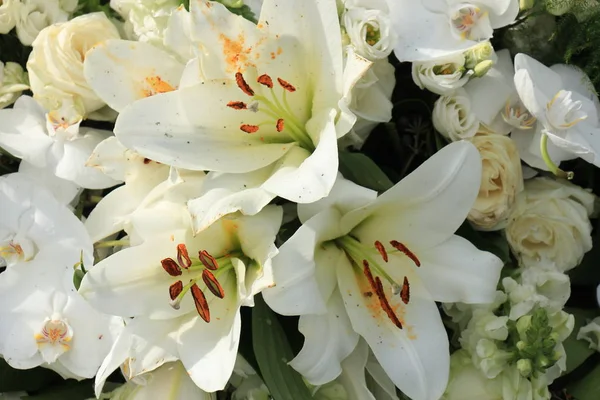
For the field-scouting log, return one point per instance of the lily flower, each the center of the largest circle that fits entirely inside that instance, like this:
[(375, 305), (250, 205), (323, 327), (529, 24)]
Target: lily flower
[(373, 267), (269, 94), (430, 29), (567, 109), (191, 287)]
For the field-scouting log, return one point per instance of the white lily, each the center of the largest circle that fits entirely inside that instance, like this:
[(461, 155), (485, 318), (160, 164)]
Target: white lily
[(270, 95), (140, 175), (362, 378), (431, 29), (370, 266), (168, 382), (230, 261), (563, 100), (53, 141), (44, 320)]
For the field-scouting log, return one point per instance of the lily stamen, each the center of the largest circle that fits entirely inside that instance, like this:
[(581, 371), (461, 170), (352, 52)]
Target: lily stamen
[(402, 248)]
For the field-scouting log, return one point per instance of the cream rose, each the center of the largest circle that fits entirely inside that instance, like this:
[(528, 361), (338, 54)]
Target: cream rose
[(501, 180), (453, 118), (441, 76), (369, 28), (56, 63), (549, 224), (32, 16), (13, 80), (8, 11)]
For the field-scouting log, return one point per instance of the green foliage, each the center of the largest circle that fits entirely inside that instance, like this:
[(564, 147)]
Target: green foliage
[(578, 350), (89, 6), (273, 352), (361, 170), (579, 42)]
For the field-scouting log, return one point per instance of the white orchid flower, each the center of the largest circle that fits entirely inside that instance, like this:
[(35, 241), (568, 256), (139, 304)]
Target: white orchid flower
[(44, 320), (430, 29), (503, 112), (53, 141), (370, 266), (188, 287), (270, 95), (567, 109)]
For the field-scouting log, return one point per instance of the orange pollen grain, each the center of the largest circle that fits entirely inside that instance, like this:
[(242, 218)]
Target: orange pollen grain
[(157, 85), (237, 105), (381, 250), (265, 80), (243, 85), (286, 85), (402, 248), (279, 125), (249, 128)]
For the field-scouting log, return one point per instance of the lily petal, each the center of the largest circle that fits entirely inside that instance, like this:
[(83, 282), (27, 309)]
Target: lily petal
[(456, 271)]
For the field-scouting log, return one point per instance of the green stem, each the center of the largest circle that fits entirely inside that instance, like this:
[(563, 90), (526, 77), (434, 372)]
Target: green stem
[(548, 161)]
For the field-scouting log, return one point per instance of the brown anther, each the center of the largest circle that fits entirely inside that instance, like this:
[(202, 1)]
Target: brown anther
[(175, 289), (279, 125), (171, 267), (243, 85), (207, 260), (369, 275), (237, 105), (405, 293), (147, 161), (402, 248), (201, 303), (213, 284), (249, 128), (266, 80), (381, 250), (183, 257), (286, 85), (385, 305)]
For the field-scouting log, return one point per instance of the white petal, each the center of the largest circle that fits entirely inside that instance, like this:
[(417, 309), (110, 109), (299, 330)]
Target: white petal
[(417, 357), (353, 373), (345, 195), (298, 266), (456, 271), (72, 165), (109, 215), (328, 340), (313, 179), (210, 361), (224, 194), (193, 128), (427, 206), (64, 191), (117, 71)]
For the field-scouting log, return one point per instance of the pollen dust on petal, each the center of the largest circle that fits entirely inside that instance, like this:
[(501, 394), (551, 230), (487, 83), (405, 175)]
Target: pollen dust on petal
[(238, 56), (155, 85)]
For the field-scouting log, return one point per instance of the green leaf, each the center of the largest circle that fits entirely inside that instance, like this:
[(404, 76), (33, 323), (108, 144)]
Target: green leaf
[(578, 350), (361, 170), (587, 388), (273, 352), (16, 380), (67, 390)]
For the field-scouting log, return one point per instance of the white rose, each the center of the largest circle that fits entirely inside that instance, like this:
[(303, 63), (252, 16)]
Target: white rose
[(56, 63), (453, 118), (591, 334), (35, 15), (369, 28), (13, 80), (501, 180), (8, 11), (371, 102), (549, 224), (468, 383), (441, 76), (145, 20)]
